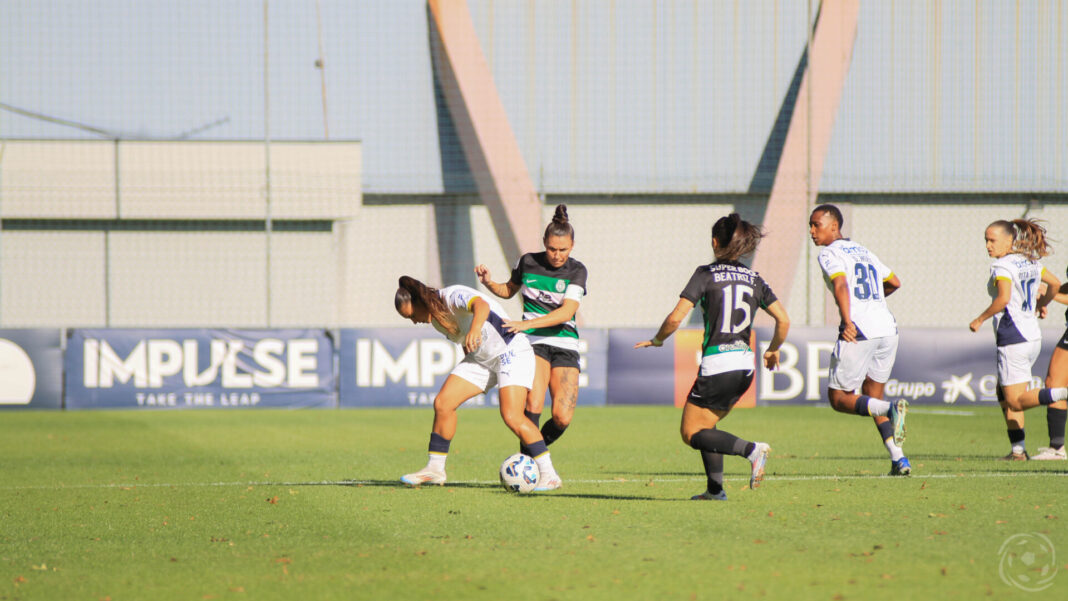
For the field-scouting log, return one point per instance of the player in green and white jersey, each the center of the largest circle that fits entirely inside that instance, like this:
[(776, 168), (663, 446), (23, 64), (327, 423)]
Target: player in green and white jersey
[(552, 285)]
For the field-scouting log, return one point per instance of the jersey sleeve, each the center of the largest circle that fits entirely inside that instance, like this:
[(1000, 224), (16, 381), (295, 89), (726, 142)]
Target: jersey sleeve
[(998, 271), (517, 271), (831, 264), (764, 294), (459, 298), (576, 288), (884, 271), (695, 288)]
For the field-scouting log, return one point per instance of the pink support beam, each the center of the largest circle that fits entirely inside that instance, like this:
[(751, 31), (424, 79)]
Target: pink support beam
[(485, 133), (797, 179)]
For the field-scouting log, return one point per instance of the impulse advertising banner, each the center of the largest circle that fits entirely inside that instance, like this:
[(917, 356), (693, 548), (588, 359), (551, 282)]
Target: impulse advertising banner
[(31, 369), (199, 368), (405, 367), (936, 366)]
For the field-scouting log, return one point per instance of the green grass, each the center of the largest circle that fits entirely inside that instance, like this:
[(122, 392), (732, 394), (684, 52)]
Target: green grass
[(306, 505)]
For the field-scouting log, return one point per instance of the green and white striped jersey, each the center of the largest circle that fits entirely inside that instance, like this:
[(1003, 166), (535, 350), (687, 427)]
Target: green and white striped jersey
[(544, 289)]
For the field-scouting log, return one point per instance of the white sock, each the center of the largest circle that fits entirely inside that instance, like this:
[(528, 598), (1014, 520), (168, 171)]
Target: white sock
[(545, 465), (893, 449), (436, 462), (1019, 448), (878, 407), (1058, 394)]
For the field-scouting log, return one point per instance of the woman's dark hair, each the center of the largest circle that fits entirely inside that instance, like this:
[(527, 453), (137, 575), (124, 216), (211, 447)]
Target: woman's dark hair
[(412, 291), (1028, 237), (833, 211), (560, 226), (736, 237)]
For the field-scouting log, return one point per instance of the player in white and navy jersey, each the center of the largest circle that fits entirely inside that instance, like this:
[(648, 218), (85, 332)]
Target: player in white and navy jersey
[(495, 357), (864, 353), (729, 294), (1016, 276), (552, 285)]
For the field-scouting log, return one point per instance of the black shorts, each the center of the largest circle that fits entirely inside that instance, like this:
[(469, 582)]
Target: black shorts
[(720, 391), (556, 356), (1063, 344)]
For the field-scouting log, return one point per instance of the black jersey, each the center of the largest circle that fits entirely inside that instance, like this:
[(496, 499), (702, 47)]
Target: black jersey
[(729, 295), (544, 289)]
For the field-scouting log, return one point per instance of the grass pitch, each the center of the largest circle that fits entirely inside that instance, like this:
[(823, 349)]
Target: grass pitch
[(306, 505)]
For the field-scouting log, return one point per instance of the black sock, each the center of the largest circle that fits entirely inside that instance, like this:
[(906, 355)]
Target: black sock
[(886, 430), (861, 406), (714, 470), (715, 440), (534, 418), (1016, 436), (1044, 397), (1055, 419), (551, 431), (438, 443)]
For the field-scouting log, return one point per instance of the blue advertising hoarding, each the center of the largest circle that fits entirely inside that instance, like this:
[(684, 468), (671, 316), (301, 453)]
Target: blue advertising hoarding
[(405, 367), (31, 368), (199, 368)]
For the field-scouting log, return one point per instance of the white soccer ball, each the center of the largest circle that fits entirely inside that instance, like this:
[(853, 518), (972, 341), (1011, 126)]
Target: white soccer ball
[(519, 473)]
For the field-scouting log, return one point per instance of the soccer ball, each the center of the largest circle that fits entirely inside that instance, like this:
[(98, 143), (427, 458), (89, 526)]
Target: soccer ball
[(519, 473)]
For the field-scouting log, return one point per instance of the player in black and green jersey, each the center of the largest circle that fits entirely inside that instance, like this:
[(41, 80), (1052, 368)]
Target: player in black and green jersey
[(552, 284), (729, 294)]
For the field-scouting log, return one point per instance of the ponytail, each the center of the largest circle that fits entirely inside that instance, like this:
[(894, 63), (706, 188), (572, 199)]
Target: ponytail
[(412, 291), (1028, 237), (736, 237)]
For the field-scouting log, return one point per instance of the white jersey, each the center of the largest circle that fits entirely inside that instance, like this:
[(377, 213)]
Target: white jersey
[(495, 339), (1017, 322), (864, 274)]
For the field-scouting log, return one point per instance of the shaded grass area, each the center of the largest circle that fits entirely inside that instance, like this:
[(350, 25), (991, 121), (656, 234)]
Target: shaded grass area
[(306, 504)]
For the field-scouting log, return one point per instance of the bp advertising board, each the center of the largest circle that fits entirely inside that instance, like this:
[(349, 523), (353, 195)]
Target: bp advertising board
[(934, 366)]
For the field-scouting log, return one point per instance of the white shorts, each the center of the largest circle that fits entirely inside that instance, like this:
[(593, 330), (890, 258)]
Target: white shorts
[(851, 362), (1015, 362), (514, 367)]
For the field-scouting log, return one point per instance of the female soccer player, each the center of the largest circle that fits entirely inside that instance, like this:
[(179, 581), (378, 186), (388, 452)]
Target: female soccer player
[(729, 294), (1015, 276), (1057, 377), (495, 356), (552, 284), (864, 353)]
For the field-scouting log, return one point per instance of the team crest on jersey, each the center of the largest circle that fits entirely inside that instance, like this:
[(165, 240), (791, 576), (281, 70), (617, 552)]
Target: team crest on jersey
[(560, 285)]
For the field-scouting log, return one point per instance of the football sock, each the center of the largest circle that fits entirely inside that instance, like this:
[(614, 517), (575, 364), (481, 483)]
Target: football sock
[(1048, 396), (714, 440), (886, 432), (438, 451), (1055, 419), (1017, 440), (714, 470), (542, 457), (551, 431), (534, 419), (866, 405)]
